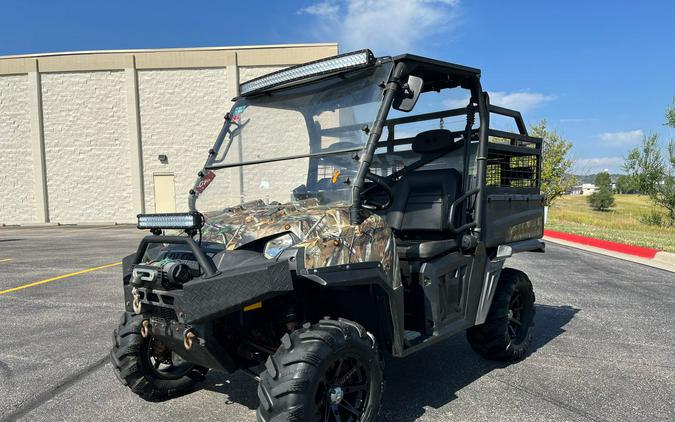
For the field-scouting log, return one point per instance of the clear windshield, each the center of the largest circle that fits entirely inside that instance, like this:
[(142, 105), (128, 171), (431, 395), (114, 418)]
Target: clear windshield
[(311, 132)]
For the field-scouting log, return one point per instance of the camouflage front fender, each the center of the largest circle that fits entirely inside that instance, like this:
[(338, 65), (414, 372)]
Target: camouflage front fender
[(325, 234)]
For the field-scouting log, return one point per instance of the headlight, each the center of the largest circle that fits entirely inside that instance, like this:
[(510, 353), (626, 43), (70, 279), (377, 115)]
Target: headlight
[(276, 246), (347, 61), (186, 221)]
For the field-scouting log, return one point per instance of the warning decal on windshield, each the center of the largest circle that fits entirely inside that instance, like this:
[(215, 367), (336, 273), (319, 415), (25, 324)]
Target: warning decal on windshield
[(205, 181), (237, 111)]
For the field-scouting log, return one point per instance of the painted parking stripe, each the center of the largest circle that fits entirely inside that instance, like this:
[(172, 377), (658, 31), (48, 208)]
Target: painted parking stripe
[(5, 260), (61, 277)]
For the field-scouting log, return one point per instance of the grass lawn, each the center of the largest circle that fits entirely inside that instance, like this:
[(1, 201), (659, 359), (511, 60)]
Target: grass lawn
[(572, 214)]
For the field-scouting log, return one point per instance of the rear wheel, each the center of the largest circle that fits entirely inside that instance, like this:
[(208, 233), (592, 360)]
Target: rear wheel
[(509, 326), (329, 371), (147, 366)]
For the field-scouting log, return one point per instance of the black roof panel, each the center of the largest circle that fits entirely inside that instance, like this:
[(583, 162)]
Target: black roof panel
[(451, 67), (438, 74)]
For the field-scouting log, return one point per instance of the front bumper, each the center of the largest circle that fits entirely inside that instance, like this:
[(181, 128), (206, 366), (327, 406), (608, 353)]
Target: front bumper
[(206, 299), (171, 313), (205, 350)]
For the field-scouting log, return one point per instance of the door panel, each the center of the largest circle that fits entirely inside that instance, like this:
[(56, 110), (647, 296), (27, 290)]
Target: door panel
[(165, 193), (445, 285)]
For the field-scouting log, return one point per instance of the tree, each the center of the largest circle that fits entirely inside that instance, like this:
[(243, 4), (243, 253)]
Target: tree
[(555, 166), (626, 184), (654, 173), (602, 199), (670, 114)]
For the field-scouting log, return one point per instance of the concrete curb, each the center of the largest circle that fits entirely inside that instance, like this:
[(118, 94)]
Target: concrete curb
[(67, 225), (662, 260), (609, 245), (665, 258), (30, 225)]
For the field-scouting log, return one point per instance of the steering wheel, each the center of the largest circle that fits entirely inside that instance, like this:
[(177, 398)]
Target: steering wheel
[(380, 182)]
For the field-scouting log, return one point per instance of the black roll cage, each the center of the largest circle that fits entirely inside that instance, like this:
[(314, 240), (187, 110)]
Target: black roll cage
[(401, 70), (447, 75), (437, 75)]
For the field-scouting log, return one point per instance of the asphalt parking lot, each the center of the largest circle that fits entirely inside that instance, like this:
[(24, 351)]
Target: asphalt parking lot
[(603, 348)]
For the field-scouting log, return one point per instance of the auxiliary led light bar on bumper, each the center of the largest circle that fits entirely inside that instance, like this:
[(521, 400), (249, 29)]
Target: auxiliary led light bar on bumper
[(333, 64), (185, 221)]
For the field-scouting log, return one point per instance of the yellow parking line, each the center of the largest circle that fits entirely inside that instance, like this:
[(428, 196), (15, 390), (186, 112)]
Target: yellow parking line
[(5, 260), (37, 283)]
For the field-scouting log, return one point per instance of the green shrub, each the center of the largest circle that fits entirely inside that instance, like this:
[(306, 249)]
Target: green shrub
[(654, 218), (602, 199)]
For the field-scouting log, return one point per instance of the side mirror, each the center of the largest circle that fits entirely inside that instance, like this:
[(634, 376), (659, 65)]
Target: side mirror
[(407, 97)]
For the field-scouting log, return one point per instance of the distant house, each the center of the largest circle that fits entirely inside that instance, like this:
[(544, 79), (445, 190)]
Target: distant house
[(588, 189), (584, 189)]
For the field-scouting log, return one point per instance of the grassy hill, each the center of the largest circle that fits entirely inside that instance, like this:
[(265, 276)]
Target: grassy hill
[(571, 214)]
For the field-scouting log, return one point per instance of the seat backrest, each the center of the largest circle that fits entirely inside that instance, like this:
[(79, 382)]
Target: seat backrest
[(422, 201)]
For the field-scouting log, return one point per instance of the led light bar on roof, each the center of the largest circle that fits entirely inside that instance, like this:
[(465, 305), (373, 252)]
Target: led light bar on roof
[(320, 67)]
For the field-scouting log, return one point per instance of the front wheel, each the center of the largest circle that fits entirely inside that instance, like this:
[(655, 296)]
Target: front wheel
[(329, 371), (509, 326), (147, 366)]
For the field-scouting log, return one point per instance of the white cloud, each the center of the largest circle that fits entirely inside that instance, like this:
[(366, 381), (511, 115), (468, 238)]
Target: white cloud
[(448, 2), (626, 138), (521, 101), (384, 26), (456, 102), (324, 8), (579, 120), (598, 164)]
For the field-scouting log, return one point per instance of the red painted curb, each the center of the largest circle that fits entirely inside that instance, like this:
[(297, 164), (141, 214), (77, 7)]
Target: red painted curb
[(604, 244)]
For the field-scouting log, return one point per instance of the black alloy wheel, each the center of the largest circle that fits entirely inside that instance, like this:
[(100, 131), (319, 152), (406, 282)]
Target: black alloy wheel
[(343, 391), (327, 372)]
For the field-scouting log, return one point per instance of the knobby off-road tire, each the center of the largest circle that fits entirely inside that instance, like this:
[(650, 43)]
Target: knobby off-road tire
[(130, 357), (509, 326), (321, 370)]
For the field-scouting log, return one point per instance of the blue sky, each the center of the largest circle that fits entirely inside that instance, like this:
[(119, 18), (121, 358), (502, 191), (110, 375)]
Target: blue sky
[(601, 73)]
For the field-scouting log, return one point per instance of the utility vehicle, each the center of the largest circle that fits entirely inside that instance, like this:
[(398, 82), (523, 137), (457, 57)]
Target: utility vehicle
[(326, 229)]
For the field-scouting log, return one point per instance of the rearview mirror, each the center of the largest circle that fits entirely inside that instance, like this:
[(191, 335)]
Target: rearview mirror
[(407, 97)]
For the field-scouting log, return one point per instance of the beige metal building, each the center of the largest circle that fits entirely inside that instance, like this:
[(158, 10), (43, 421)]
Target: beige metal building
[(98, 137)]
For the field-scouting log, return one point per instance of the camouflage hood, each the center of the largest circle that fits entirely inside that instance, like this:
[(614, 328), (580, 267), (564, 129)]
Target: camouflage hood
[(325, 233)]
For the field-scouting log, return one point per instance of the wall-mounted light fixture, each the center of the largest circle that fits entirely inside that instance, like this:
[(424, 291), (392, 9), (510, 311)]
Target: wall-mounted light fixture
[(163, 159)]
